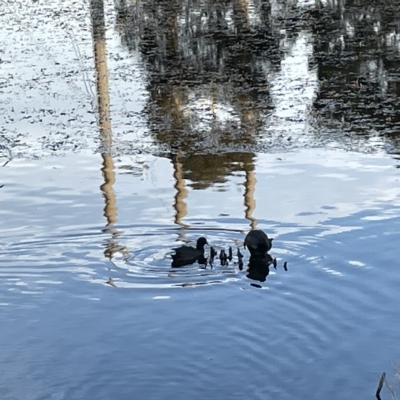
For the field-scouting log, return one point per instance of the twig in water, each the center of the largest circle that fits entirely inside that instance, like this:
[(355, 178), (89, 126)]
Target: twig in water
[(111, 282), (380, 384)]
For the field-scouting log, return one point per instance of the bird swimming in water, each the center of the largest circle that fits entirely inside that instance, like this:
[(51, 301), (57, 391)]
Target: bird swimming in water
[(186, 255), (257, 242)]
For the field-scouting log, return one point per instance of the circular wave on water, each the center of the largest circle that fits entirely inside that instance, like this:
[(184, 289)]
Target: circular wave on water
[(142, 258), (132, 257), (149, 264)]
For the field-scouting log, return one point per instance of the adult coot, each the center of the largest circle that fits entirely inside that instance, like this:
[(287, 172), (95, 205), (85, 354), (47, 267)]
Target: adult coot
[(186, 255), (257, 242)]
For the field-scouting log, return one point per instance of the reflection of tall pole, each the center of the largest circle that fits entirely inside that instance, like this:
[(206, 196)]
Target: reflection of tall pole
[(249, 201), (110, 208), (103, 103), (181, 192), (100, 58)]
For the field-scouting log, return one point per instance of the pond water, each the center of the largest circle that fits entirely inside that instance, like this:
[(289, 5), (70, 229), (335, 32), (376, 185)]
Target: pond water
[(90, 306)]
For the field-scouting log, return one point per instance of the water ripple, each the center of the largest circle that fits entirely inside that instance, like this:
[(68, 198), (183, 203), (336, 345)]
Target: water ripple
[(150, 265)]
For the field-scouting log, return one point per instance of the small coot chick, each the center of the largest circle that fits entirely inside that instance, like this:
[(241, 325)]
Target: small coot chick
[(257, 242), (223, 258), (186, 255), (213, 253), (240, 259)]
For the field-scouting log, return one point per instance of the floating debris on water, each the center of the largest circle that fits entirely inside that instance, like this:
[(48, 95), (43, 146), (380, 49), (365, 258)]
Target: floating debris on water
[(111, 282)]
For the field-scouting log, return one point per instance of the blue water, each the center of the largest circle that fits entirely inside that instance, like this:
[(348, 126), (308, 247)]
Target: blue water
[(326, 328), (296, 145)]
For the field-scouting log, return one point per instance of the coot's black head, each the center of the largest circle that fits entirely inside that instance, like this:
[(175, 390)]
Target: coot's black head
[(201, 242)]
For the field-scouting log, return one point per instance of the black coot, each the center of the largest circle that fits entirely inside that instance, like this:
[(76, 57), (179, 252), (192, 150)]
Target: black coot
[(186, 255), (257, 242)]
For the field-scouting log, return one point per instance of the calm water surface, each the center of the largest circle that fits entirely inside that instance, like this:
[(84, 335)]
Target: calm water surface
[(323, 329)]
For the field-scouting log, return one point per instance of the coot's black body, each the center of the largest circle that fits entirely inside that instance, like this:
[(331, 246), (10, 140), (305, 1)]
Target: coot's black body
[(258, 243), (186, 255)]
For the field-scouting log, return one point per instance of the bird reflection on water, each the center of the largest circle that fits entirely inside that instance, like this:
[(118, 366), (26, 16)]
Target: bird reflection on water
[(258, 268)]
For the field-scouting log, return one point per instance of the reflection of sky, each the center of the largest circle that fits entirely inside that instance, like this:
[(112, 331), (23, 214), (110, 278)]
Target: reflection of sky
[(304, 187), (293, 88), (313, 186)]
